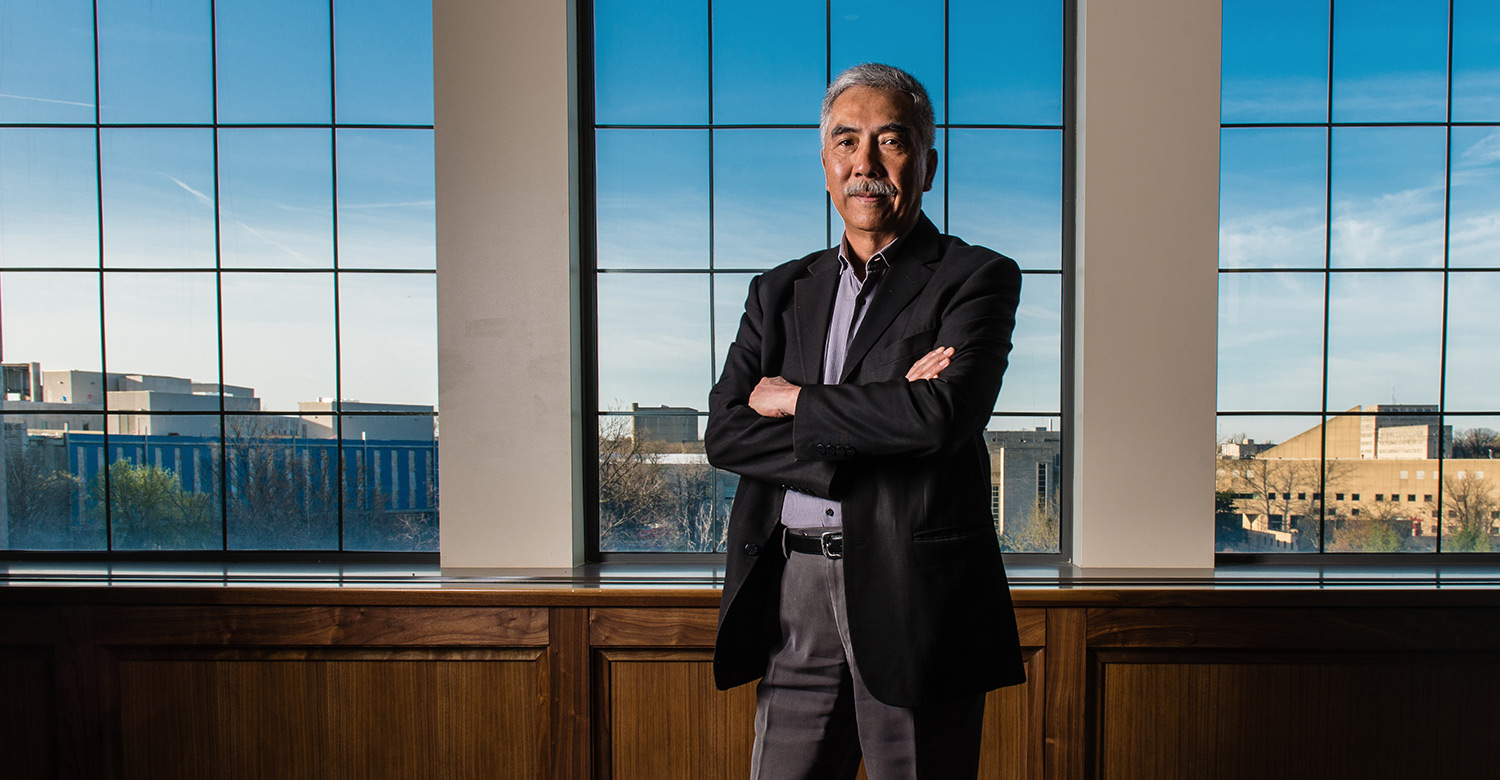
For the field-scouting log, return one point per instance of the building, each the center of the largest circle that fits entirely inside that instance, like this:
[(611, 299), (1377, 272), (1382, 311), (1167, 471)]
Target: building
[(1024, 466), (1381, 464)]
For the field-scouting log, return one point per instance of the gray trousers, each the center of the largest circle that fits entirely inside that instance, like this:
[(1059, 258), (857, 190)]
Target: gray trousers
[(814, 717)]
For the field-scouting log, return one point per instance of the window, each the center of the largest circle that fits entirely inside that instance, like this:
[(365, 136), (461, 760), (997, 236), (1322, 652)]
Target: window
[(1358, 190), (217, 276), (705, 172)]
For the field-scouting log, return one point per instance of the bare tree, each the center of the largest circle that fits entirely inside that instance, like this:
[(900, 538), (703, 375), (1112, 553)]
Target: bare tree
[(1468, 510), (1476, 443)]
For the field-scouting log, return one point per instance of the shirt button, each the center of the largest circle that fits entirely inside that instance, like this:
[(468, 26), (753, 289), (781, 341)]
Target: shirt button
[(752, 549), (828, 512)]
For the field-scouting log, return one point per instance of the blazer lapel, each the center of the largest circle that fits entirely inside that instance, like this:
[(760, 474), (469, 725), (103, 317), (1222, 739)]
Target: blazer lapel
[(812, 300), (911, 268)]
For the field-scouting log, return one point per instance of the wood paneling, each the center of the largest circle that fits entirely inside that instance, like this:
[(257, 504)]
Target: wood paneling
[(28, 719), (302, 625), (670, 627), (1298, 717), (661, 718), (329, 714), (510, 683)]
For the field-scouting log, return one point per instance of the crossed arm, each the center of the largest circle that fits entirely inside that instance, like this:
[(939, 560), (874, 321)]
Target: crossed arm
[(774, 396)]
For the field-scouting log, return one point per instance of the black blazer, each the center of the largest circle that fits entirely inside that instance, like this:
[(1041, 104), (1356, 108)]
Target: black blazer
[(929, 607)]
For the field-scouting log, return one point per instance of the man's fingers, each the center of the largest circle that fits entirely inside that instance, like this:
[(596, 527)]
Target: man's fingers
[(930, 365)]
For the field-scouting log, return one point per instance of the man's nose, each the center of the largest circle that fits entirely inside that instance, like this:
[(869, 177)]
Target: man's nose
[(867, 161)]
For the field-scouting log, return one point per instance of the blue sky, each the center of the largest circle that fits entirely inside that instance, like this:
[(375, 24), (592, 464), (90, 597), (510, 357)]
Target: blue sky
[(270, 202), (663, 206), (672, 198), (1360, 199)]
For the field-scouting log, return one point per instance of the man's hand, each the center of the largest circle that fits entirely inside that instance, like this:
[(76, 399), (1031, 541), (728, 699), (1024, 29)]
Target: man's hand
[(773, 396), (928, 366)]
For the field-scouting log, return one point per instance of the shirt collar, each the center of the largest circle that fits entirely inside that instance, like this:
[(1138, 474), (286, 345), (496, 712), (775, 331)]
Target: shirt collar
[(877, 261)]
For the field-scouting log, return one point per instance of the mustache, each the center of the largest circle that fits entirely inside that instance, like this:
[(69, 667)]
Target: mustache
[(871, 187)]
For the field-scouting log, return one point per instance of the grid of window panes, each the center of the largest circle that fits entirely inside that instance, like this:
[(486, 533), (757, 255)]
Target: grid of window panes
[(217, 275), (1359, 263), (706, 172)]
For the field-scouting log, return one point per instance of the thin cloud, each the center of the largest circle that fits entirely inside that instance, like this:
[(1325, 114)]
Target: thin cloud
[(30, 99)]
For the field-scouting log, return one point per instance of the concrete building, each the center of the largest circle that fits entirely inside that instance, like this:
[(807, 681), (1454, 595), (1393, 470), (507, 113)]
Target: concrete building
[(664, 424), (1024, 466), (1387, 463)]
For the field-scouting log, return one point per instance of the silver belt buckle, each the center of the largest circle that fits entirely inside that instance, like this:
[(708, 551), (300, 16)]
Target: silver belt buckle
[(827, 539)]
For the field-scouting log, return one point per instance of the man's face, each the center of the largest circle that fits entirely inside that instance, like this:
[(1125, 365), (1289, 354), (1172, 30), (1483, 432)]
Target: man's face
[(876, 174)]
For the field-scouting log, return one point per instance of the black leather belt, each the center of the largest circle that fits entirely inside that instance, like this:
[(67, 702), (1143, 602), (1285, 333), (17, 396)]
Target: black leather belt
[(829, 545)]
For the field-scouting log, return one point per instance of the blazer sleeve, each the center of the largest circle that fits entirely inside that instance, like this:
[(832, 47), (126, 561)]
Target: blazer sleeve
[(896, 417), (737, 438)]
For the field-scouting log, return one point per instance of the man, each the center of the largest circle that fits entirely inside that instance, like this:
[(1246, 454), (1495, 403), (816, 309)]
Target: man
[(864, 583)]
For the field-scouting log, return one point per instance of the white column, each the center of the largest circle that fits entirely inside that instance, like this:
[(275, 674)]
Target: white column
[(507, 209), (1146, 302)]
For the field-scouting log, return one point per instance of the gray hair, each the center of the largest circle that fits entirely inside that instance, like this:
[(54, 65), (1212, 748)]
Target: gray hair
[(877, 76)]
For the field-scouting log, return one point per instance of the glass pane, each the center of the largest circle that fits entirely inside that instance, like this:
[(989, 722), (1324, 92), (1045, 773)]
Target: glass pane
[(1384, 338), (768, 197), (653, 496), (388, 339), (49, 208), (1272, 197), (1275, 61), (273, 61), (1024, 86), (651, 62), (276, 198), (279, 338), (868, 32), (158, 198), (1476, 61), (47, 61), (1375, 493), (730, 291), (1390, 61), (1267, 483), (163, 326), (387, 199), (1025, 484), (1388, 196), (163, 482), (384, 51), (1271, 342), (47, 501), (51, 319), (653, 198), (156, 61), (1474, 200), (1006, 193), (1033, 380), (1469, 497), (654, 345), (1473, 342), (770, 61), (283, 488), (390, 483)]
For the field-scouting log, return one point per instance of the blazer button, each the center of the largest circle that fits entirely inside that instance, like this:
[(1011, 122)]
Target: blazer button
[(752, 549)]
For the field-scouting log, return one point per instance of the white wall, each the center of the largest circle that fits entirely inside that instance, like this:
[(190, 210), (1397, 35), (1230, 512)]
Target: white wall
[(1146, 301)]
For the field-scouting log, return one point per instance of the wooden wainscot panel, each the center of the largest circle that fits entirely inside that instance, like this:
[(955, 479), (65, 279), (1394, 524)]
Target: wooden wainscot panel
[(659, 717), (1327, 628), (644, 627), (1210, 714), (323, 625), (28, 719), (329, 713)]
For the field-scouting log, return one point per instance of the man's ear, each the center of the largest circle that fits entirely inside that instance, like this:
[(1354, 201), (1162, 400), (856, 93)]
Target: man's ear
[(931, 169)]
